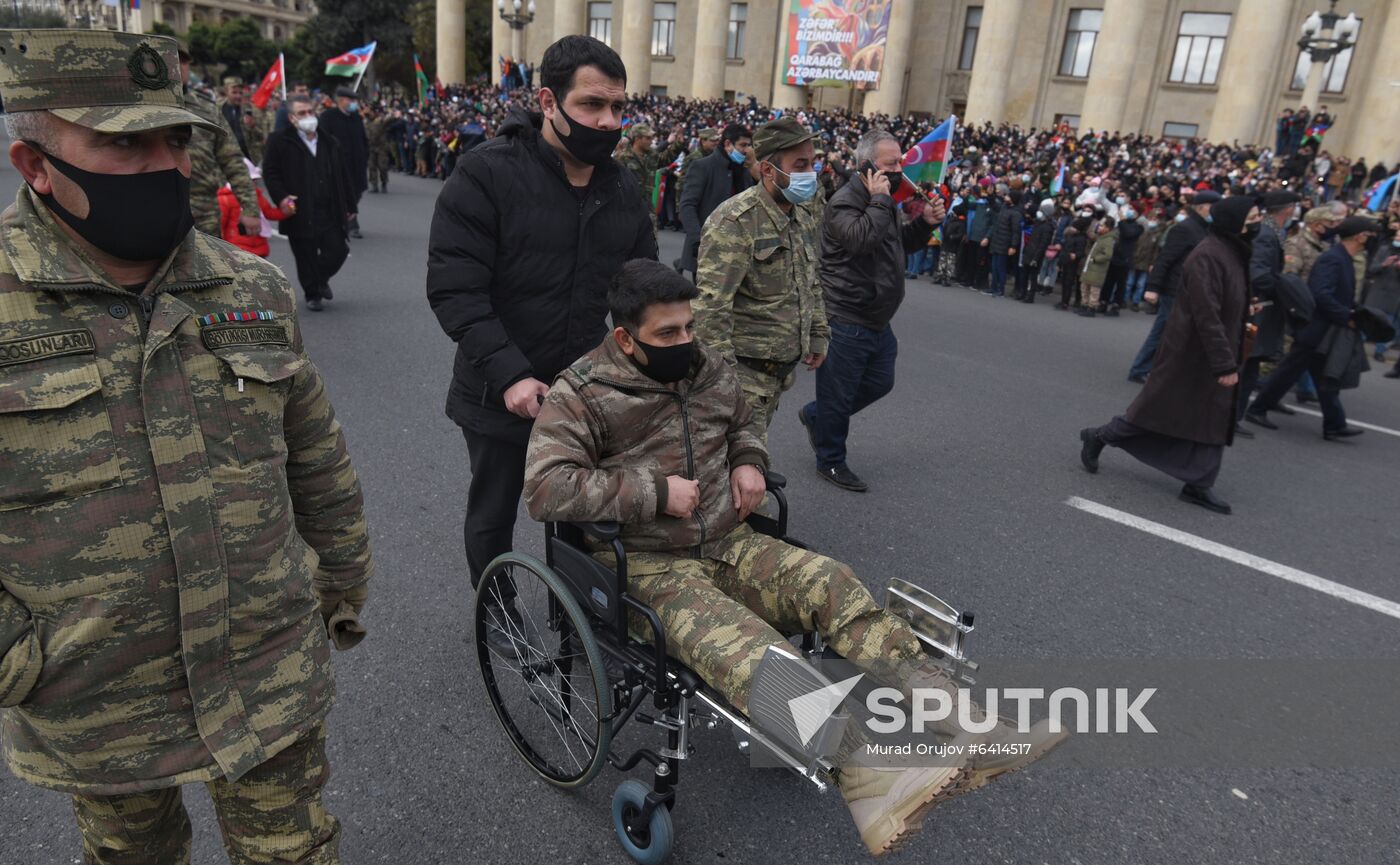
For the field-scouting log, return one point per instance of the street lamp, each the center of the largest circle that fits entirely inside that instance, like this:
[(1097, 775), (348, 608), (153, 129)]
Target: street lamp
[(517, 21), (1324, 36)]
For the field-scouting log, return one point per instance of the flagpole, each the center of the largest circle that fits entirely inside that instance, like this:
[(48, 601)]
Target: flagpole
[(365, 68), (282, 64)]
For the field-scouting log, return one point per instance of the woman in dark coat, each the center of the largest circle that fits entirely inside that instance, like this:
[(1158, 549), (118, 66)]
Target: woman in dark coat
[(1184, 416)]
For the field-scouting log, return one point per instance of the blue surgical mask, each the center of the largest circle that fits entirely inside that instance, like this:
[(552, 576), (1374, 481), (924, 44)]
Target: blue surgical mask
[(354, 106), (802, 185), (817, 166), (736, 156)]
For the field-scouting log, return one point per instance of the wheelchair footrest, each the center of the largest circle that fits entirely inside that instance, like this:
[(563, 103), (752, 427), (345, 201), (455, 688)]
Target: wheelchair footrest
[(941, 628)]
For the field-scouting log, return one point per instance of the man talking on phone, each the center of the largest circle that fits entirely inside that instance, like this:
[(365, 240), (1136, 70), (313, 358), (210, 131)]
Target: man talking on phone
[(863, 254)]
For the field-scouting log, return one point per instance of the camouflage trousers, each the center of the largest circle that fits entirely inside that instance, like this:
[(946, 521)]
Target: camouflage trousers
[(762, 392), (273, 814), (721, 613), (379, 170)]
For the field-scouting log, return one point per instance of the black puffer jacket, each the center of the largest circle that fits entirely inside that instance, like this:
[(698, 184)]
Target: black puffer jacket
[(1129, 230), (1006, 231), (863, 256), (519, 265), (1181, 239)]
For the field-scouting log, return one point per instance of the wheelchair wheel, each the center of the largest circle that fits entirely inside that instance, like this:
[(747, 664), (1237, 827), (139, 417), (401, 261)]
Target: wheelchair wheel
[(649, 844), (543, 670)]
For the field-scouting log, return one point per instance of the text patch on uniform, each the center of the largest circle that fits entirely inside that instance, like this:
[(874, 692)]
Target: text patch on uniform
[(229, 335), (59, 344)]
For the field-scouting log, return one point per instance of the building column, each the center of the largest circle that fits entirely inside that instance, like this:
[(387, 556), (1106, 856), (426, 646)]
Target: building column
[(1377, 137), (889, 99), (991, 69), (1258, 36), (452, 41), (635, 43), (711, 40), (569, 18), (1111, 71), (500, 46)]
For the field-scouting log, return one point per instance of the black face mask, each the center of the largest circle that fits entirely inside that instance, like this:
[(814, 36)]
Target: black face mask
[(1251, 231), (665, 364), (111, 224), (593, 146), (896, 179)]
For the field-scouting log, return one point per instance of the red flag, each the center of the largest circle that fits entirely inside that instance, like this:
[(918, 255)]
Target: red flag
[(271, 83)]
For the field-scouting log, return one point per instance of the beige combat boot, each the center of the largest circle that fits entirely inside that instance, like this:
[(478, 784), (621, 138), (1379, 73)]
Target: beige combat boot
[(888, 805), (1006, 750)]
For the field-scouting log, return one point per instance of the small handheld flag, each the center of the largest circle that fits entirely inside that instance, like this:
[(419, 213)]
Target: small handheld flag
[(422, 77), (927, 161), (1376, 203), (352, 62), (273, 82)]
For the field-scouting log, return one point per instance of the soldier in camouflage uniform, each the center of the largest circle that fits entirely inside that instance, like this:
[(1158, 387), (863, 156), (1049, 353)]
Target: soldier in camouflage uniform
[(709, 140), (215, 160), (156, 402), (380, 149), (1303, 248), (760, 301), (653, 430), (643, 162)]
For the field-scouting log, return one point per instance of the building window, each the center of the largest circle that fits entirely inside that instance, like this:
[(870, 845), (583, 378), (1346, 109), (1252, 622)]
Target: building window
[(600, 22), (658, 90), (1199, 45), (1334, 71), (1180, 131), (663, 29), (738, 23), (969, 43), (1080, 35)]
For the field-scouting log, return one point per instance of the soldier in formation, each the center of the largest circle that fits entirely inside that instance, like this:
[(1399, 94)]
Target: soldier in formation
[(163, 411)]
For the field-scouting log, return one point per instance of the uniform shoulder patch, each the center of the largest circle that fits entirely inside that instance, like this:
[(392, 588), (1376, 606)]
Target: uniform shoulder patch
[(240, 334)]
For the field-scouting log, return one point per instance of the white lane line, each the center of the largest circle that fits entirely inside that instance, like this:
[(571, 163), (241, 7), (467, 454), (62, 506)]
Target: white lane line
[(1240, 557), (1369, 426)]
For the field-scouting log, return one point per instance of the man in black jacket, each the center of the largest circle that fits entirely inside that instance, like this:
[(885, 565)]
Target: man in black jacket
[(862, 274), (347, 127), (710, 182), (528, 231), (305, 174), (1162, 280)]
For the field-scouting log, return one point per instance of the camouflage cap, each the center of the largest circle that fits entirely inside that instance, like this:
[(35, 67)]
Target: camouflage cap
[(640, 130), (101, 79), (778, 135), (233, 81), (708, 134)]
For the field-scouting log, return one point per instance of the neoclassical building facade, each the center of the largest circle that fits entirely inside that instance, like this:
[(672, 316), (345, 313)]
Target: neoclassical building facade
[(1220, 69)]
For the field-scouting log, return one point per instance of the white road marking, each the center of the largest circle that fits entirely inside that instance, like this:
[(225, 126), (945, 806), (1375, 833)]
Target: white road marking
[(1240, 793), (1240, 557), (1369, 426)]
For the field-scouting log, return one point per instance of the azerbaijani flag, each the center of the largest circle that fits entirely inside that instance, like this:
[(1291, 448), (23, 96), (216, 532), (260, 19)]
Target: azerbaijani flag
[(927, 161), (1058, 183), (1376, 203), (423, 85), (352, 62)]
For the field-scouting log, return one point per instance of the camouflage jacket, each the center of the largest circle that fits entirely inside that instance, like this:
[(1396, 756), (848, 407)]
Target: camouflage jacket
[(644, 167), (1301, 250), (759, 292), (608, 436), (377, 132), (255, 133), (214, 161), (174, 498)]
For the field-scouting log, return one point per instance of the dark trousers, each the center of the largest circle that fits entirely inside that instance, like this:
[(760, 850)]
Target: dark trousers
[(498, 478), (1114, 284), (319, 257), (1249, 377), (1299, 360), (1000, 262), (1142, 364), (858, 370)]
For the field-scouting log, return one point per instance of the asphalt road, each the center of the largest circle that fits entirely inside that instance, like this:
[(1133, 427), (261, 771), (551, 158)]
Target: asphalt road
[(970, 462)]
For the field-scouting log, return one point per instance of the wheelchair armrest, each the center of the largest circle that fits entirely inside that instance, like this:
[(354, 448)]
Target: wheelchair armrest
[(599, 531), (775, 480)]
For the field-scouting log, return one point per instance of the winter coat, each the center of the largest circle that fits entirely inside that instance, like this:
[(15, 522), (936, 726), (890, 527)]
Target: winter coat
[(519, 266), (1095, 270), (608, 436), (1383, 283), (863, 251), (1041, 236), (1203, 340), (1180, 240), (1148, 246), (1333, 286), (1124, 251), (349, 131), (322, 184), (1006, 231)]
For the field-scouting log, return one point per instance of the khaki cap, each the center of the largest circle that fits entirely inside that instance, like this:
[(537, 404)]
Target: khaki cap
[(100, 79), (779, 135)]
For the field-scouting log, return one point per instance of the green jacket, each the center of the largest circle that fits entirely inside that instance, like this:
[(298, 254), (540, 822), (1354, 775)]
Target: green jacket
[(644, 167), (175, 497), (607, 437), (757, 273), (1100, 256)]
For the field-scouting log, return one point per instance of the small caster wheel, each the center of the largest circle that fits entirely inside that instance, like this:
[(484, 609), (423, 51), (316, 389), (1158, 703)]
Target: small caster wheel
[(649, 844)]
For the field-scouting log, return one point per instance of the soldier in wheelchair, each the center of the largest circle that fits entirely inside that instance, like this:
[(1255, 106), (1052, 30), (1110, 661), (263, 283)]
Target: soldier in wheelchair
[(651, 431)]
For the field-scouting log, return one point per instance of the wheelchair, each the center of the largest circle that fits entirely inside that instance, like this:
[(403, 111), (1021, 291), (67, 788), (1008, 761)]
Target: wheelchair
[(574, 674)]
